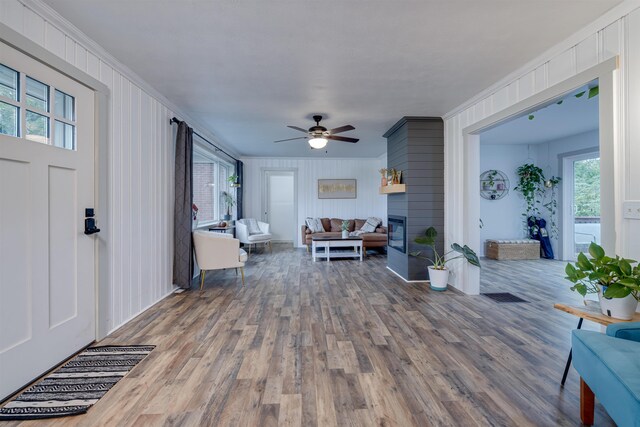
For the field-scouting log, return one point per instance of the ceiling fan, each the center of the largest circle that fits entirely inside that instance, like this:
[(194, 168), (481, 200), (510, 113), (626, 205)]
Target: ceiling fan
[(319, 135)]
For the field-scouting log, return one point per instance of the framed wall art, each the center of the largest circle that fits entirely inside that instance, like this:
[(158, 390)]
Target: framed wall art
[(337, 189)]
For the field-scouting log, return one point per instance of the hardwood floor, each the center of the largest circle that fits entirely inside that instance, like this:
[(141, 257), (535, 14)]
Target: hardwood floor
[(348, 343)]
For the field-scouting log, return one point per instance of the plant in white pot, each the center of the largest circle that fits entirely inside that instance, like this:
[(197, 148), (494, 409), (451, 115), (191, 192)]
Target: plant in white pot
[(615, 280), (345, 229), (438, 271)]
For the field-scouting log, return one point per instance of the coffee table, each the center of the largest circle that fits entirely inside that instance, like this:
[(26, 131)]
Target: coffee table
[(339, 245)]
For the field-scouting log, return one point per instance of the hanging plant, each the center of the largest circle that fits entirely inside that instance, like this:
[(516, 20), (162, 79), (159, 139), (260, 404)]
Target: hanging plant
[(535, 188), (551, 205), (531, 186)]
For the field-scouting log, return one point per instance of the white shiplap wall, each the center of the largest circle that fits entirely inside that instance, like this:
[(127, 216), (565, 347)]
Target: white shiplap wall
[(368, 203), (140, 164), (615, 33)]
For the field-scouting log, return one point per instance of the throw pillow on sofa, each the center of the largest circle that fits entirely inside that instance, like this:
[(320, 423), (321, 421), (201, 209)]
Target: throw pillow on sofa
[(315, 225), (336, 225), (371, 224)]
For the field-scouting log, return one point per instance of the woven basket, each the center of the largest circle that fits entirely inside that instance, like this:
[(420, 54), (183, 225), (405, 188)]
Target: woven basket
[(509, 250)]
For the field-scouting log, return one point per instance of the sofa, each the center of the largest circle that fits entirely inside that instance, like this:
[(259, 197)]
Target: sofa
[(609, 368), (333, 227)]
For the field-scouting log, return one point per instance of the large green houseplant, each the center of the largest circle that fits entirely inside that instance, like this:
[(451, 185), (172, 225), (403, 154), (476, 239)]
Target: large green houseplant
[(615, 280), (438, 271)]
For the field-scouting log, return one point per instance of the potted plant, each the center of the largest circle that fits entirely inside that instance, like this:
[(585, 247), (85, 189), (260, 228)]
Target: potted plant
[(345, 229), (396, 176), (438, 272), (229, 202), (615, 280), (383, 180), (489, 181), (233, 180)]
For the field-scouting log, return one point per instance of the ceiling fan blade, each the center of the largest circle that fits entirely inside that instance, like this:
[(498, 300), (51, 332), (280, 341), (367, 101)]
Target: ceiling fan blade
[(297, 128), (343, 138), (341, 129), (290, 139)]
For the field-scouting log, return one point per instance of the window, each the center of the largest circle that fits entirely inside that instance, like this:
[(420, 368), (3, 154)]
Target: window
[(9, 109), (26, 110), (64, 123), (210, 175)]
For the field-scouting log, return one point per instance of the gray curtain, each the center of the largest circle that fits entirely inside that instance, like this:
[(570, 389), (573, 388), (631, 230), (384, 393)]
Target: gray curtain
[(239, 190), (182, 239)]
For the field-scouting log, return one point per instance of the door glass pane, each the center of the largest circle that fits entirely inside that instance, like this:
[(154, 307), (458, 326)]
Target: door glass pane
[(8, 119), (8, 83), (586, 195), (37, 95), (64, 105), (65, 135), (37, 127)]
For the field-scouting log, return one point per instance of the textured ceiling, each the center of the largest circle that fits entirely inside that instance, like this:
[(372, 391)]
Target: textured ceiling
[(246, 69)]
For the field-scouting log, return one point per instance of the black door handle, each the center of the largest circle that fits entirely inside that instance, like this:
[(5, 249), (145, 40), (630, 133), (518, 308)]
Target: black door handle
[(90, 226), (90, 222)]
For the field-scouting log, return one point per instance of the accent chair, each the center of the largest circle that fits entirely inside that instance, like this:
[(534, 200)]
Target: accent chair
[(609, 368), (251, 232), (217, 251)]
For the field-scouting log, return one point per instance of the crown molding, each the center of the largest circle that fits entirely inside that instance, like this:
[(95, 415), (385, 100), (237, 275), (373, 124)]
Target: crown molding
[(606, 19), (54, 18)]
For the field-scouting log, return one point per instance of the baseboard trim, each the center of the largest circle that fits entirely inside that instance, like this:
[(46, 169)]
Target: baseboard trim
[(405, 280), (173, 288)]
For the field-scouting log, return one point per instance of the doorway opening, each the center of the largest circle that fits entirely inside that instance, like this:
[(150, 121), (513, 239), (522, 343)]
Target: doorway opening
[(540, 184), (279, 204), (601, 74)]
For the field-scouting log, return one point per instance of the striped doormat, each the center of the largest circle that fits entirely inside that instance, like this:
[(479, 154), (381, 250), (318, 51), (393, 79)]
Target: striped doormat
[(78, 384)]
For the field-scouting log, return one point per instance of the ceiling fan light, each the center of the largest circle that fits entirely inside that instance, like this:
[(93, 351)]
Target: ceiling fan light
[(317, 142)]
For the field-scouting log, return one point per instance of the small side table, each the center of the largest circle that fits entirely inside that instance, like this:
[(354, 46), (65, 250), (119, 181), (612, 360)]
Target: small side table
[(590, 311), (224, 229)]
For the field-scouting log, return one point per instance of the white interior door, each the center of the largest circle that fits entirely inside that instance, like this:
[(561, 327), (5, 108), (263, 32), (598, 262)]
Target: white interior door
[(581, 200), (47, 263), (280, 204)]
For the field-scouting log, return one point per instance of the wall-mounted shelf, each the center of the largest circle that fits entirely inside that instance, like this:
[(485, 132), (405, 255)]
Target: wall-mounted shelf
[(393, 188)]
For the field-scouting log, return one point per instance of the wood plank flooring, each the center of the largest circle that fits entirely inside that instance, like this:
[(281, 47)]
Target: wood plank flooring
[(349, 344)]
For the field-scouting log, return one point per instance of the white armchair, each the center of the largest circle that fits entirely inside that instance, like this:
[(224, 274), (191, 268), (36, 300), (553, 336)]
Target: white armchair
[(249, 236), (215, 251)]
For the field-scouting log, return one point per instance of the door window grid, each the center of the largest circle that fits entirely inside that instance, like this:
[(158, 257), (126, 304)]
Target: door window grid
[(9, 97), (9, 87), (26, 110)]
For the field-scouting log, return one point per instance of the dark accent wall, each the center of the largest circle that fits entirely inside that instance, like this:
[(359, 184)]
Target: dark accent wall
[(415, 145)]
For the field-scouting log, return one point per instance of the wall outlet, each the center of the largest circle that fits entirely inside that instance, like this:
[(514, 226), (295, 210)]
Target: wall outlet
[(631, 209)]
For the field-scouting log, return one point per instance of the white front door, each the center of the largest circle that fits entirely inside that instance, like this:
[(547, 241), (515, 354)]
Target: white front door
[(280, 205), (47, 263)]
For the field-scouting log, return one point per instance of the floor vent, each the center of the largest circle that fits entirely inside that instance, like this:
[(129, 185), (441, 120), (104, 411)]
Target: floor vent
[(504, 297)]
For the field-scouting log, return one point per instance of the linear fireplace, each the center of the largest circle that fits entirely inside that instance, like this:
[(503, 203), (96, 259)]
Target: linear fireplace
[(397, 233)]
